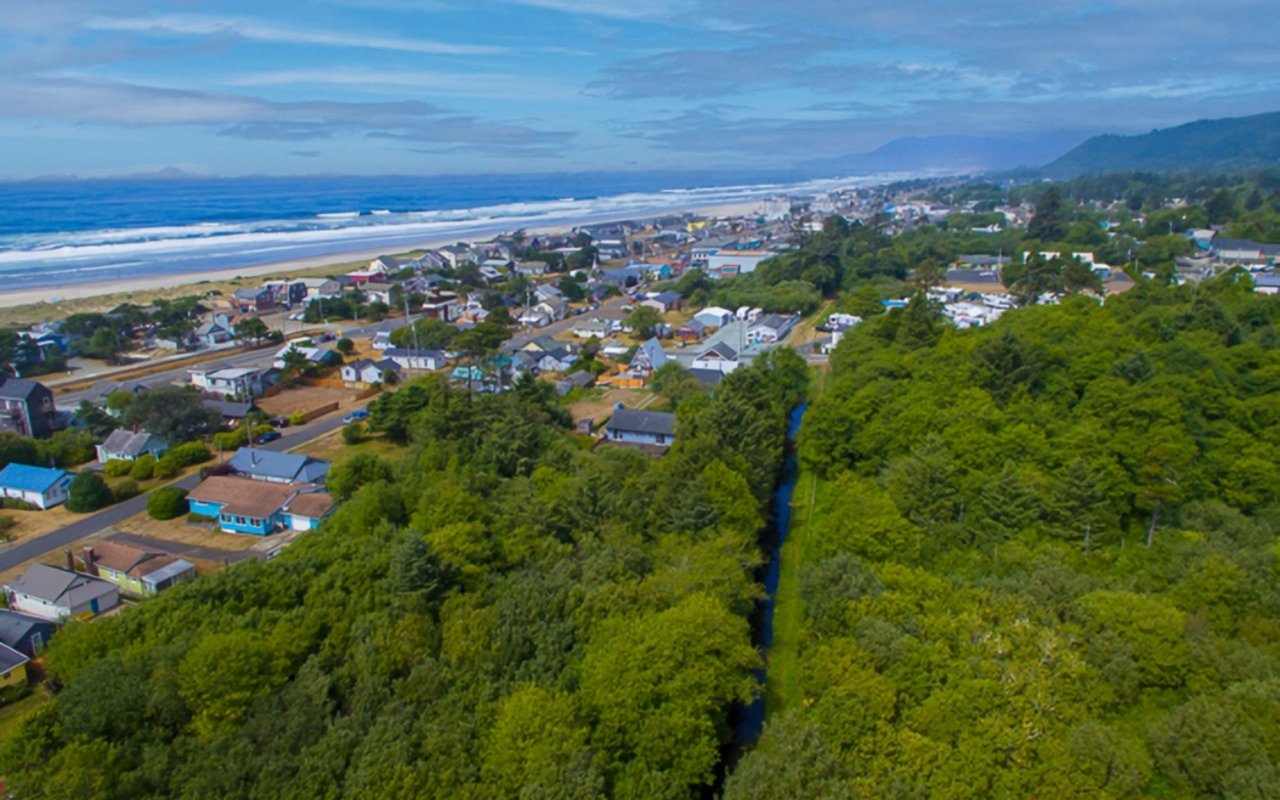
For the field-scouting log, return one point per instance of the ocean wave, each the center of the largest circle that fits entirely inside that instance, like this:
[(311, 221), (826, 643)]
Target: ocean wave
[(61, 258)]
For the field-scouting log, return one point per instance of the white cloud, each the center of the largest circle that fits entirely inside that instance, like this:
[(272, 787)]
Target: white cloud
[(508, 86), (262, 31)]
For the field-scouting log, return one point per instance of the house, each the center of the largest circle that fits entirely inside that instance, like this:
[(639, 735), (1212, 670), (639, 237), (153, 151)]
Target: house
[(649, 358), (593, 328), (378, 291), (692, 331), (385, 265), (547, 292), (235, 381), (532, 269), (771, 329), (534, 318), (409, 358), (631, 426), (578, 380), (13, 667), (456, 255), (260, 508), (442, 305), (492, 274), (319, 356), (719, 357), (553, 309), (1266, 283), (558, 360), (272, 467), (138, 572), (26, 407), (213, 332), (738, 262), (320, 289), (24, 633), (366, 371), (623, 277), (670, 300), (286, 292), (40, 486), (710, 247), (56, 593), (257, 299), (231, 412), (123, 445), (714, 316)]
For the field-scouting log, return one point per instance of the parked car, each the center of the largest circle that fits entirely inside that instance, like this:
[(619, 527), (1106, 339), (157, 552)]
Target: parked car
[(269, 436), (279, 422), (355, 416)]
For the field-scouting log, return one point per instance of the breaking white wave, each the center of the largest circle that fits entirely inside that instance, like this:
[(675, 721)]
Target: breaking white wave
[(28, 260)]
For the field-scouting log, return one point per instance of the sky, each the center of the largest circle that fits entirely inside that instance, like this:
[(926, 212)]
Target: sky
[(225, 87)]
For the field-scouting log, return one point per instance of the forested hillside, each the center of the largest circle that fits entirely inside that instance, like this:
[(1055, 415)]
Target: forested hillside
[(1042, 561), (500, 613)]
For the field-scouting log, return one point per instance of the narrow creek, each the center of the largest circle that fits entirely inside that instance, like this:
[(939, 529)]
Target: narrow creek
[(748, 721)]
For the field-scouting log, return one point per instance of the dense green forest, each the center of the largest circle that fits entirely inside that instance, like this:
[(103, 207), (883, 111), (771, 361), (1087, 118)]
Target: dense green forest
[(1211, 144), (502, 612), (1042, 557)]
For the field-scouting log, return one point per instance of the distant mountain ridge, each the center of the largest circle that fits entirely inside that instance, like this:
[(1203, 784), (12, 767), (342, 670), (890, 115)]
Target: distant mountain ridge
[(952, 153), (1211, 144)]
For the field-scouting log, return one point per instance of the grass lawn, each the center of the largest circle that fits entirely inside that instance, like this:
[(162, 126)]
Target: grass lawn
[(782, 678), (11, 715)]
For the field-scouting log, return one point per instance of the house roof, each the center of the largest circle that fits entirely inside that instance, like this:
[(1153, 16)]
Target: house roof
[(311, 504), (246, 497), (773, 321), (30, 479), (18, 388), (60, 586), (15, 627), (229, 409), (653, 350), (10, 658), (131, 443), (636, 421), (668, 297), (135, 561), (281, 466), (708, 377), (722, 350), (409, 352)]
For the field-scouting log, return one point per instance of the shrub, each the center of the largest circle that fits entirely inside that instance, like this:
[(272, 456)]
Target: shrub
[(167, 503), (88, 492), (144, 468), (199, 519), (124, 490), (14, 504), (117, 468), (297, 418), (345, 346), (184, 455), (353, 433)]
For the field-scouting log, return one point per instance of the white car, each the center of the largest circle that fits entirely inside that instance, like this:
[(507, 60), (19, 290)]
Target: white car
[(296, 317)]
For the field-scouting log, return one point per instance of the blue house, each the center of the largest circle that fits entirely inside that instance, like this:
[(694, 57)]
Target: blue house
[(273, 467), (40, 486), (260, 508)]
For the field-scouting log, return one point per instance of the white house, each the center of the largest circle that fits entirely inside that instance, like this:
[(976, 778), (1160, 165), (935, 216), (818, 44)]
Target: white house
[(54, 593), (321, 288), (719, 357), (366, 371), (714, 316), (593, 328), (771, 329), (238, 381), (40, 486), (409, 358)]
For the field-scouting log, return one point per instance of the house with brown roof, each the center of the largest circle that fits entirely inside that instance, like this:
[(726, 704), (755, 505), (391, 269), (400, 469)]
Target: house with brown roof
[(242, 505), (138, 572)]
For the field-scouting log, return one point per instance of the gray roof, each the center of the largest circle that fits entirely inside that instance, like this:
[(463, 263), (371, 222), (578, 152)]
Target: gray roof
[(721, 349), (16, 628), (59, 586), (229, 409), (18, 388), (668, 297), (774, 321), (130, 443), (707, 377), (10, 658), (280, 466), (635, 421)]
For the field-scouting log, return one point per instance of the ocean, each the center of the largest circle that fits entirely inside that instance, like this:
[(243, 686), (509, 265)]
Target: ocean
[(62, 232)]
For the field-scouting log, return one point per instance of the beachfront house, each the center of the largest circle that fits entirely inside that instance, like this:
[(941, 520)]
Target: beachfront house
[(270, 466), (126, 445), (55, 593), (260, 508), (26, 407), (42, 487), (257, 299), (320, 289), (138, 572)]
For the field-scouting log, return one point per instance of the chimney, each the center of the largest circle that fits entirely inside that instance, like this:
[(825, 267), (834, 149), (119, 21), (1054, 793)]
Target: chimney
[(89, 558), (71, 560)]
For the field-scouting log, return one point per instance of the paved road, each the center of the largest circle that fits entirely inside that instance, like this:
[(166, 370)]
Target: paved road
[(54, 540)]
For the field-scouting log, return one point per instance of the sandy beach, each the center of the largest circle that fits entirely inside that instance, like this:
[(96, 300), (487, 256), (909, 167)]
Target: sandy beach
[(142, 286)]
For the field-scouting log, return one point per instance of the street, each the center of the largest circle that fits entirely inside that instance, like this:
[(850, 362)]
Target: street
[(113, 515)]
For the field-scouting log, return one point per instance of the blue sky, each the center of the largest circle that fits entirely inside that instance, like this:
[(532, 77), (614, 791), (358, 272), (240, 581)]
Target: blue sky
[(219, 87)]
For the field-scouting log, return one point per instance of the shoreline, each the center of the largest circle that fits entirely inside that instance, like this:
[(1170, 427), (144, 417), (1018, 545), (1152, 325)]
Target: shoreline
[(51, 296)]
